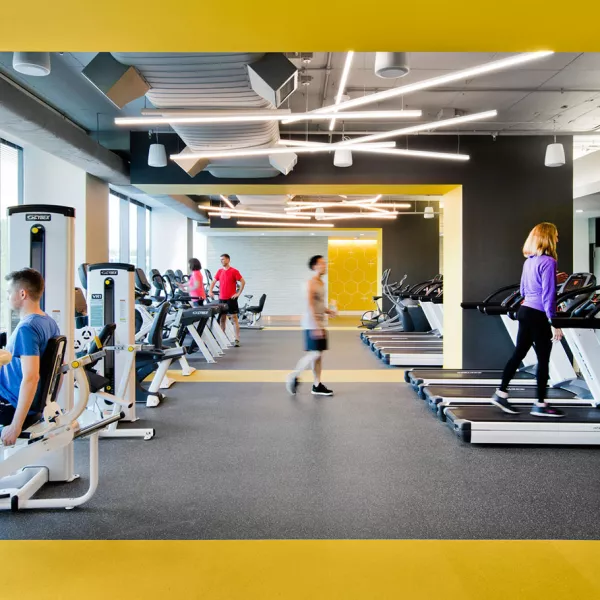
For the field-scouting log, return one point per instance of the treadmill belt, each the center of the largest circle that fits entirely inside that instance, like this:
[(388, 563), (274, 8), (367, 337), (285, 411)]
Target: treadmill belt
[(458, 375), (482, 391), (481, 414), (410, 350)]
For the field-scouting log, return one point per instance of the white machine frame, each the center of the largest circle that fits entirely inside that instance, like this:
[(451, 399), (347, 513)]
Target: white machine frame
[(42, 237)]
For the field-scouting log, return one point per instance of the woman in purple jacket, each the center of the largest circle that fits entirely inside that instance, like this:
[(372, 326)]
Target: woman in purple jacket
[(538, 288)]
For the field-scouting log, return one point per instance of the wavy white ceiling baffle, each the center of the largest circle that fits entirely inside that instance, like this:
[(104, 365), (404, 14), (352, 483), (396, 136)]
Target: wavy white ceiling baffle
[(210, 81)]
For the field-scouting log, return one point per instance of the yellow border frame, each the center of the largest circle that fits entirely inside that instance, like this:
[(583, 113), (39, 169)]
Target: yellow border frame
[(297, 569), (239, 26)]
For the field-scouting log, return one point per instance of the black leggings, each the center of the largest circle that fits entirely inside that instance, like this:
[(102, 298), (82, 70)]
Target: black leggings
[(534, 330)]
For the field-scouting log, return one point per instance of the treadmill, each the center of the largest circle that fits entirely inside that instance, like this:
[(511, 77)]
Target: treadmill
[(417, 350), (501, 302), (580, 426), (566, 385), (415, 324)]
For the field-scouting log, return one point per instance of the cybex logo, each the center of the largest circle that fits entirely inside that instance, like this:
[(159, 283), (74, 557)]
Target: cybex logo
[(38, 217), (202, 313), (96, 296), (110, 272)]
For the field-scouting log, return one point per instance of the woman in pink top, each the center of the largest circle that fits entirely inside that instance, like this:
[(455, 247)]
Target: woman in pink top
[(195, 284)]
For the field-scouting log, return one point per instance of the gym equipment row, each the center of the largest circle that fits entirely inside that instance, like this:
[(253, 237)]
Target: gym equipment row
[(461, 397), (411, 334)]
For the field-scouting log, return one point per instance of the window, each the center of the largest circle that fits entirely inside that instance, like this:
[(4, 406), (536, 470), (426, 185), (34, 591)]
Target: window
[(148, 232), (133, 233), (11, 193), (113, 228), (128, 231)]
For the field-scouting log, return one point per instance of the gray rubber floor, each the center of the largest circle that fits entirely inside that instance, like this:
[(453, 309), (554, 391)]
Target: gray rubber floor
[(281, 350), (246, 461)]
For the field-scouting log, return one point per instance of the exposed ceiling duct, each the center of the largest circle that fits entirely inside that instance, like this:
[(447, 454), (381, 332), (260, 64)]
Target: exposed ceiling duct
[(33, 122), (210, 81), (391, 65), (273, 77), (30, 120), (119, 83)]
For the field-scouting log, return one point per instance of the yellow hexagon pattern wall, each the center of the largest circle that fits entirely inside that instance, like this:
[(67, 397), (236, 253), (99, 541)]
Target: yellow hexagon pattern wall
[(352, 277)]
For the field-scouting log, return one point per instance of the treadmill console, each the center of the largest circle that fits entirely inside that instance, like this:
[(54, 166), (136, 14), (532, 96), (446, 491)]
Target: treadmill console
[(574, 282)]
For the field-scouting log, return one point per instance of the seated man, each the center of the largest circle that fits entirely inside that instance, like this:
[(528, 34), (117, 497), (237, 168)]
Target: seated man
[(20, 377)]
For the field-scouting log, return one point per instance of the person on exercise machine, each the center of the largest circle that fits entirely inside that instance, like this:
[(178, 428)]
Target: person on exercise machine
[(538, 288), (229, 292), (315, 335), (195, 284), (20, 377)]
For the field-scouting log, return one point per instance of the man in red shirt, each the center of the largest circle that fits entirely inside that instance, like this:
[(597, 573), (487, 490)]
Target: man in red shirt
[(229, 293)]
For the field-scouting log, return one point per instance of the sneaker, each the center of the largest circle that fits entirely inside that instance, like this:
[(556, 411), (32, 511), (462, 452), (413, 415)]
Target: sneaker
[(546, 411), (321, 390), (237, 343), (291, 385), (503, 404)]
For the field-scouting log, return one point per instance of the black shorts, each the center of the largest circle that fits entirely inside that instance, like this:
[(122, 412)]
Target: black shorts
[(312, 344), (232, 306), (7, 412)]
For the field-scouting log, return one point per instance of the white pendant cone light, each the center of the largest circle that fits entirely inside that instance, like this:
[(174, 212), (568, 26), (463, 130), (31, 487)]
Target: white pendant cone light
[(36, 64), (342, 158), (555, 153), (428, 213), (319, 214), (157, 155)]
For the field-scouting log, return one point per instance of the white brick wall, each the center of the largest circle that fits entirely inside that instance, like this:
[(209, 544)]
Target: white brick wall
[(276, 266)]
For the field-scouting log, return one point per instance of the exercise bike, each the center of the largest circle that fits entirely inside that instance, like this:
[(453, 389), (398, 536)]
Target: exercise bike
[(251, 315)]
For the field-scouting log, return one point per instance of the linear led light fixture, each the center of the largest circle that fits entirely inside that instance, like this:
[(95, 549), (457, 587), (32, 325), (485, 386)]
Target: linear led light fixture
[(404, 90), (272, 224), (421, 154), (354, 145), (349, 204), (308, 206), (338, 216), (227, 201), (343, 81), (304, 144), (367, 201), (259, 152), (488, 114), (216, 118), (255, 215)]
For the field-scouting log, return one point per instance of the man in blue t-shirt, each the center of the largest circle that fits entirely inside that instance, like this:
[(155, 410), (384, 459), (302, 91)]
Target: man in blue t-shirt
[(19, 378)]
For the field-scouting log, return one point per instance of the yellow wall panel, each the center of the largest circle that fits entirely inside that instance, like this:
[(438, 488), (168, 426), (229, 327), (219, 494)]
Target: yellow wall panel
[(453, 279), (353, 274)]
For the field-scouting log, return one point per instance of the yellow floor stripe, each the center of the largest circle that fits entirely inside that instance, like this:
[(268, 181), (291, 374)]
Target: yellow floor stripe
[(292, 328), (297, 569), (272, 376)]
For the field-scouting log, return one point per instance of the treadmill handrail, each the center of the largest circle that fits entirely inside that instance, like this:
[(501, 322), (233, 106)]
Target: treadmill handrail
[(566, 295), (576, 323), (506, 288), (487, 301)]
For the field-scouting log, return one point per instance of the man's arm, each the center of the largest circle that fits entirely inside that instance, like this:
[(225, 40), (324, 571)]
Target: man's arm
[(30, 366), (212, 285), (242, 282)]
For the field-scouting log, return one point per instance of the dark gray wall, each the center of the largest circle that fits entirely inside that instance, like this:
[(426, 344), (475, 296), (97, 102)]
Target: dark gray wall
[(411, 246), (506, 191)]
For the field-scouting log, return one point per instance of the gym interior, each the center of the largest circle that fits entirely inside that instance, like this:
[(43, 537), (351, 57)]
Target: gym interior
[(175, 441)]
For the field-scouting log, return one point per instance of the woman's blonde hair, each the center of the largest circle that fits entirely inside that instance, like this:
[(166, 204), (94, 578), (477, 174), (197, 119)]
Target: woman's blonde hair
[(541, 240)]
